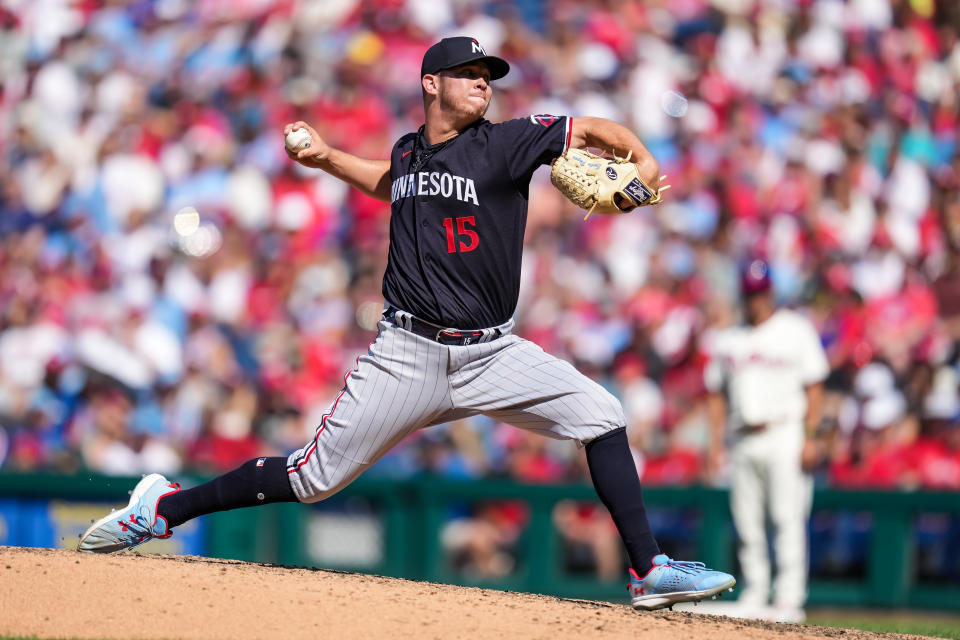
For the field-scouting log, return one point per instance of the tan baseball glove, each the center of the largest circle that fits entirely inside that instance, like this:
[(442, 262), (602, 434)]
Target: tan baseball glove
[(603, 185)]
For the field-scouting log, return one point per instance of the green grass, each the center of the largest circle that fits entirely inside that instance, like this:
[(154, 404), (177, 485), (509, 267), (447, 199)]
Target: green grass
[(915, 625)]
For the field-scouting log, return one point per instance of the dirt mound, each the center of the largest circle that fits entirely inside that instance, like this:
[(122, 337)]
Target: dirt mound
[(54, 593)]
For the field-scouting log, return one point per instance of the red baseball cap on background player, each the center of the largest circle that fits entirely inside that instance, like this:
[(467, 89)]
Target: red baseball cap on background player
[(756, 288), (453, 52), (755, 278)]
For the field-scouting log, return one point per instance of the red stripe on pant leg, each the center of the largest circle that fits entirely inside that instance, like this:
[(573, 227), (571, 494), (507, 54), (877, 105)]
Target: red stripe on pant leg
[(323, 425), (323, 421)]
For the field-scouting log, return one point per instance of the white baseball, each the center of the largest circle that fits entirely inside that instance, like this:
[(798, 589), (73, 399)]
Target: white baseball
[(673, 103), (298, 139)]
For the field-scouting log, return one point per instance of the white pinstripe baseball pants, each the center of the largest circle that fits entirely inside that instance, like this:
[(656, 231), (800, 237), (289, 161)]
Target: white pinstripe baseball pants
[(406, 382)]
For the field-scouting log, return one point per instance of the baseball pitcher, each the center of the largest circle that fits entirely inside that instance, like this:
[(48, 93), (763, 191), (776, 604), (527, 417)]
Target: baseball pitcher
[(445, 349)]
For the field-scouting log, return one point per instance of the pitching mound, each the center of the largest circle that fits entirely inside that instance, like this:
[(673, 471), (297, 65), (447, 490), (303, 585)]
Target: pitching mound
[(63, 594)]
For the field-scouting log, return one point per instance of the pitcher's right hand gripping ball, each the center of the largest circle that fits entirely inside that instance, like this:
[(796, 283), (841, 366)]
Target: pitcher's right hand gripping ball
[(603, 185), (297, 140)]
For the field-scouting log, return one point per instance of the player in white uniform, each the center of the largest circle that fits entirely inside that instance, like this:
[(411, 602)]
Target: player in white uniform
[(765, 382)]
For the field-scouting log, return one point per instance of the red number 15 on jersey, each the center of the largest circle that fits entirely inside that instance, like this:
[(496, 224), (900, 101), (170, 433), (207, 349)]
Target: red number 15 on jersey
[(461, 232)]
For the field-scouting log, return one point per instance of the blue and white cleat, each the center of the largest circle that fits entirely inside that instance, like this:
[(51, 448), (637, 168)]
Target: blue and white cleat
[(134, 525), (670, 581)]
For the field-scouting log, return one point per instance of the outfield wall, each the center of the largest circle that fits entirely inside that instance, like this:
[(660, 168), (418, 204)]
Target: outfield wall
[(880, 549)]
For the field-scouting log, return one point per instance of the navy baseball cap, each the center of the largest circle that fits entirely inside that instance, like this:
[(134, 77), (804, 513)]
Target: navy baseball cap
[(755, 278), (453, 52)]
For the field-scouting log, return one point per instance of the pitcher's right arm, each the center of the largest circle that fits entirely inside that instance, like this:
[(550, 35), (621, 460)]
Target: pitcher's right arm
[(371, 177)]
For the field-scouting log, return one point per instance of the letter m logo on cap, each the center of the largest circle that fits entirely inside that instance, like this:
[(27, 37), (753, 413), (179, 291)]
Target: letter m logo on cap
[(476, 48)]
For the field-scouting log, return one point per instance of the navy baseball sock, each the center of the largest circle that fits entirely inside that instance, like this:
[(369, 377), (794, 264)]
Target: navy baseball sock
[(256, 481), (615, 478)]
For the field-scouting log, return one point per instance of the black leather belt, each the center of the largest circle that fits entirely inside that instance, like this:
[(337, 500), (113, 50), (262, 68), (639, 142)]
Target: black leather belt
[(749, 429), (453, 337)]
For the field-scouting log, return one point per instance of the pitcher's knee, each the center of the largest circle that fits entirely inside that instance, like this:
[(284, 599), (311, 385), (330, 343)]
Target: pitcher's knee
[(309, 490), (612, 416), (609, 419), (310, 484)]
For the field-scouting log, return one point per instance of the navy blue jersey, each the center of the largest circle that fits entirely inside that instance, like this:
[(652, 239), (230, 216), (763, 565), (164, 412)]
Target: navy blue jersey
[(458, 215)]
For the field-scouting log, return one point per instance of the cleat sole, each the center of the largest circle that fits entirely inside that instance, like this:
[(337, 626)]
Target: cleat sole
[(667, 600)]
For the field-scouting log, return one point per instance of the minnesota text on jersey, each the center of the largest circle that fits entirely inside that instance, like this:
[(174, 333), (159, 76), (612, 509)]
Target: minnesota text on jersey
[(433, 183)]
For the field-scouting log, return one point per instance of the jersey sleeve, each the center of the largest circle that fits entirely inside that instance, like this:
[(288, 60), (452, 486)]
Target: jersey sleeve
[(714, 373), (814, 365), (530, 142), (713, 376)]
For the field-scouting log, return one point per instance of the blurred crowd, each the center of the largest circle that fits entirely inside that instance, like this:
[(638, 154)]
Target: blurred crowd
[(176, 295)]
